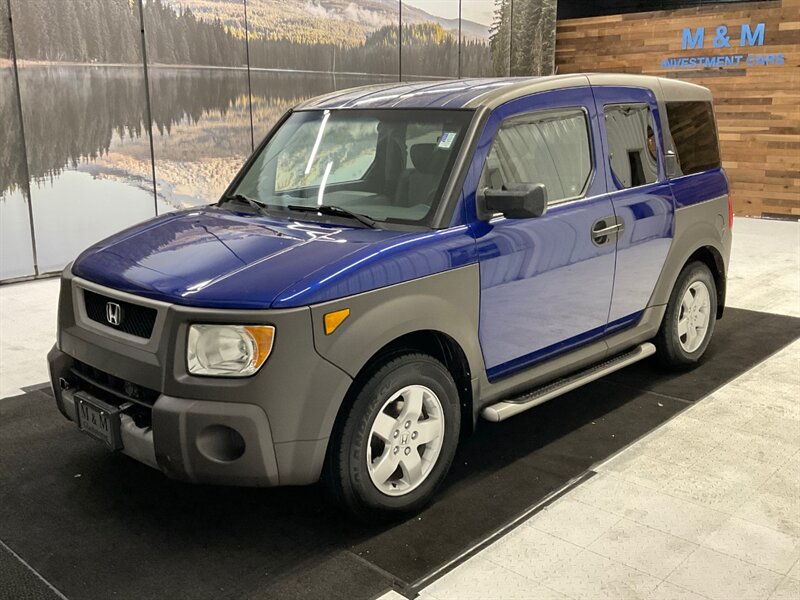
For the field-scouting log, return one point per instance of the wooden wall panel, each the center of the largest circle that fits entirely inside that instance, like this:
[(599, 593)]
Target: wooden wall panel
[(757, 108)]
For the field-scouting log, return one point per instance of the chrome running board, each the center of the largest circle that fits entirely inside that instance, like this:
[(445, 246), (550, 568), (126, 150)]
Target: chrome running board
[(513, 406)]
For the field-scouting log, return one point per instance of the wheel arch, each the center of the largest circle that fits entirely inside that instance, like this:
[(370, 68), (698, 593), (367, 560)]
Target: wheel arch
[(432, 342), (440, 346), (435, 315), (699, 235), (707, 254), (712, 258)]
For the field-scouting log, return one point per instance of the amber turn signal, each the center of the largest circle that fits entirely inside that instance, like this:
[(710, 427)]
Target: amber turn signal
[(264, 335), (334, 319)]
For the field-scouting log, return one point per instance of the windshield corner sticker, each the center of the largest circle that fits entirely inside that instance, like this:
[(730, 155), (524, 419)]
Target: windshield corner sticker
[(447, 139)]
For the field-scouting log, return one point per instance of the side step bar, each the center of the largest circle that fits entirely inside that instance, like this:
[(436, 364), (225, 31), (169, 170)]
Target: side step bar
[(513, 406)]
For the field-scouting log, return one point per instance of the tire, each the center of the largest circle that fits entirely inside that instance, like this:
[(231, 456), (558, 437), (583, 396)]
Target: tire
[(689, 318), (380, 431)]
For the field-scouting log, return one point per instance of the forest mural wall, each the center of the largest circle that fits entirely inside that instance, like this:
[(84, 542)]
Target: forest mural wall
[(16, 244), (114, 111)]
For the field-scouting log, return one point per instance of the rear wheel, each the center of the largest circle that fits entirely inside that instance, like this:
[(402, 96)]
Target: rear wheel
[(689, 318), (395, 445)]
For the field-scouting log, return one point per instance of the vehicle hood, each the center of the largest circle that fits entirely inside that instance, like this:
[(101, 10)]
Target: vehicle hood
[(214, 257)]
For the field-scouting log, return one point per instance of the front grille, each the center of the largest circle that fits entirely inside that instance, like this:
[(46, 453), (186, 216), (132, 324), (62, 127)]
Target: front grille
[(115, 391), (120, 315)]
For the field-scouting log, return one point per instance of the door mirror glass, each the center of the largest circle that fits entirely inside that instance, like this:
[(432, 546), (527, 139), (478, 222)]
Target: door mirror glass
[(517, 200)]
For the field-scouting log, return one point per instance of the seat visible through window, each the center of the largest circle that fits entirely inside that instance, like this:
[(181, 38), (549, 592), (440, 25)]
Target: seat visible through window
[(419, 184)]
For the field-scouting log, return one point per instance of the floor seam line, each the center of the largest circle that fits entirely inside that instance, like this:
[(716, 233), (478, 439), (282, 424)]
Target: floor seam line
[(502, 531), (53, 588), (597, 467), (678, 566), (393, 581), (657, 394), (739, 558), (619, 562)]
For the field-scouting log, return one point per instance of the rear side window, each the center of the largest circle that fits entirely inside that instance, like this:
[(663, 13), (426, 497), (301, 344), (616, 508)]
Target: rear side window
[(550, 148), (695, 136), (631, 144)]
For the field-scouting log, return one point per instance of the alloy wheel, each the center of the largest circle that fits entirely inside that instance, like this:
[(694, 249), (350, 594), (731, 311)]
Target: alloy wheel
[(694, 316), (405, 440)]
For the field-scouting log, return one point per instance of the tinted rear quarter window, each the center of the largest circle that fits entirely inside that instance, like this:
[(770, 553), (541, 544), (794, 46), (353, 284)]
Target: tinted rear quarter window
[(695, 135)]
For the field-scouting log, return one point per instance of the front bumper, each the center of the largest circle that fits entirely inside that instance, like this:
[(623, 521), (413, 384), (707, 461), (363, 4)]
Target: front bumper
[(268, 429), (190, 440)]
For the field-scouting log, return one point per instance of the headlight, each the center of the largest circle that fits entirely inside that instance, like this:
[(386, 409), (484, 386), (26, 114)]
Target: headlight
[(228, 350)]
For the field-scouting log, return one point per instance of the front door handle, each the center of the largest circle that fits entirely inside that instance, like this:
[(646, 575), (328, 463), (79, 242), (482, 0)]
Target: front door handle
[(598, 233), (604, 229)]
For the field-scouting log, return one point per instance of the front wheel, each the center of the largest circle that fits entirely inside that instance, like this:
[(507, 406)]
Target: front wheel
[(689, 318), (395, 445)]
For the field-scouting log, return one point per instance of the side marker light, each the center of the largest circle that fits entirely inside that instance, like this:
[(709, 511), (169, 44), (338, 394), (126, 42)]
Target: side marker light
[(334, 319)]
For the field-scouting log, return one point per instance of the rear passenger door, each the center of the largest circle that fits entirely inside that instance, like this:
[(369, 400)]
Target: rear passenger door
[(545, 282), (642, 198)]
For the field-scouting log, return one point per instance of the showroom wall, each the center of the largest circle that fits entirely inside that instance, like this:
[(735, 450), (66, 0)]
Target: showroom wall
[(116, 110), (748, 54)]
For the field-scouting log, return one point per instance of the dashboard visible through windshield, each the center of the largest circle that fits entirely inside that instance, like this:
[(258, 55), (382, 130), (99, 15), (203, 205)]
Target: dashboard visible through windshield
[(387, 165)]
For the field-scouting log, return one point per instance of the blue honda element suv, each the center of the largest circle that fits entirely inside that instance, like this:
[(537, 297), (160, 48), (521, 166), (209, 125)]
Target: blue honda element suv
[(393, 263)]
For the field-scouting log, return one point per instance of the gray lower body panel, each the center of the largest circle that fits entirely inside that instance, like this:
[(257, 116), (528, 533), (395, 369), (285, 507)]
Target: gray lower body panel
[(200, 441)]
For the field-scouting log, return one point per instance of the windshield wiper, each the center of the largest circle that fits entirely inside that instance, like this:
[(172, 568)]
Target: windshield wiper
[(335, 211), (259, 207)]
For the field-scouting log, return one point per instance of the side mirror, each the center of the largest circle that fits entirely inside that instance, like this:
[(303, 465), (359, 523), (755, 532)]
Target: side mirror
[(517, 200)]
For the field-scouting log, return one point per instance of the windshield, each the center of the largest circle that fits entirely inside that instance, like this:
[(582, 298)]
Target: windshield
[(389, 165)]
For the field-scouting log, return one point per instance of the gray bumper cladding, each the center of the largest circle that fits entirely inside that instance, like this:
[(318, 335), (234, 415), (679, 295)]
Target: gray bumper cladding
[(191, 440), (214, 442), (235, 431)]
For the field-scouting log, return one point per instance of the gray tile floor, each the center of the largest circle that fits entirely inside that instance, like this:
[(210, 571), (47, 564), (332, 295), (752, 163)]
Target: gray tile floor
[(27, 332), (706, 506)]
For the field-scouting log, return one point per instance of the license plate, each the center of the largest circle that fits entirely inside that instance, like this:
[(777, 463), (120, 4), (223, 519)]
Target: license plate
[(98, 420)]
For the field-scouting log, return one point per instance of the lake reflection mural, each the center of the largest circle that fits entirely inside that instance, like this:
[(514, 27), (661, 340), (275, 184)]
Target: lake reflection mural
[(83, 97), (110, 141), (16, 248)]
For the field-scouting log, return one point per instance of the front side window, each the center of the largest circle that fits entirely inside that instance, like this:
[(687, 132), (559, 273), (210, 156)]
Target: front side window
[(551, 148), (694, 134), (388, 165), (632, 148)]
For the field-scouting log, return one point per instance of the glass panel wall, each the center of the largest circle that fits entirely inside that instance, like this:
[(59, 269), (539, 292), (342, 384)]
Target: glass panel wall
[(16, 249), (84, 114), (303, 50), (532, 45), (197, 67), (484, 37), (219, 74), (429, 39)]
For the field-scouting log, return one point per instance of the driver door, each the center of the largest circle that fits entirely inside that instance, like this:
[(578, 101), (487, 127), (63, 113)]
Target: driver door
[(546, 281)]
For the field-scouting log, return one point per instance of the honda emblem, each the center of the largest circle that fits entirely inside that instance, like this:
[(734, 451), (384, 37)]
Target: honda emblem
[(113, 313)]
